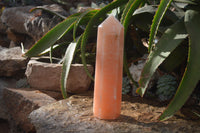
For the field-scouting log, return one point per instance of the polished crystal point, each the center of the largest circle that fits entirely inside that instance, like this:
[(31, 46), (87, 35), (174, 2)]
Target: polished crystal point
[(108, 72)]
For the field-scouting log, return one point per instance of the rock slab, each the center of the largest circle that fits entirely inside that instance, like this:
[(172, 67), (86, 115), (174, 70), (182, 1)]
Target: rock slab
[(74, 115), (11, 61), (4, 83), (21, 102), (46, 76)]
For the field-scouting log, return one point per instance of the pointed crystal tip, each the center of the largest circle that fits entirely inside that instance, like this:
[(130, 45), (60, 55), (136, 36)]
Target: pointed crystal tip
[(111, 23)]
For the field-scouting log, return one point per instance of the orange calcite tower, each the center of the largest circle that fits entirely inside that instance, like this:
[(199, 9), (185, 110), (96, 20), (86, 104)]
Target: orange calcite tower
[(109, 67)]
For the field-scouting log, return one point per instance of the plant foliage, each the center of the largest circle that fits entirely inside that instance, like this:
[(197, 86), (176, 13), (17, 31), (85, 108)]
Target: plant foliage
[(179, 31), (191, 75), (66, 67), (164, 4), (172, 37), (183, 26)]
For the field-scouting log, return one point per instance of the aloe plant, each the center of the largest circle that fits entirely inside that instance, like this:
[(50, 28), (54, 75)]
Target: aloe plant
[(88, 20), (187, 27), (172, 37), (49, 40)]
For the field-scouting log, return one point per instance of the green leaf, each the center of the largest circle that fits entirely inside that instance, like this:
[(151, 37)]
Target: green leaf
[(131, 6), (67, 61), (90, 25), (80, 19), (54, 47), (172, 37), (126, 9), (175, 59), (51, 37), (66, 67), (143, 17), (191, 75), (164, 4)]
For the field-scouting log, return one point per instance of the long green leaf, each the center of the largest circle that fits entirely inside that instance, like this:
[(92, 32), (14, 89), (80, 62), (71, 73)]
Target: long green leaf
[(52, 36), (90, 25), (172, 37), (66, 67), (79, 20), (191, 75), (164, 4), (126, 9), (143, 17), (175, 59), (55, 47), (131, 6)]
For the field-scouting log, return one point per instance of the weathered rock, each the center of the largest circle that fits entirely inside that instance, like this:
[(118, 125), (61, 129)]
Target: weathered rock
[(136, 70), (54, 94), (46, 76), (3, 27), (22, 83), (75, 115), (68, 3), (4, 41), (15, 18), (11, 61), (42, 22), (21, 102), (83, 9), (4, 83), (34, 24), (78, 81), (12, 44), (15, 37)]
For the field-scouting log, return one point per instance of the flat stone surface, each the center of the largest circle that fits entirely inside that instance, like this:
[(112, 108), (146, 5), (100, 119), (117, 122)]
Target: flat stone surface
[(20, 102), (47, 76), (137, 115), (4, 83), (11, 61), (54, 94)]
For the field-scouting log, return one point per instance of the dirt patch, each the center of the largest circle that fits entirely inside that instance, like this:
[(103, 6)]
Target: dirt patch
[(137, 115)]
